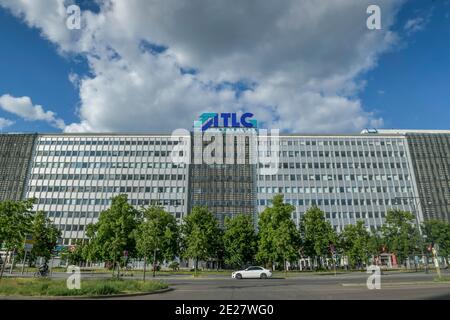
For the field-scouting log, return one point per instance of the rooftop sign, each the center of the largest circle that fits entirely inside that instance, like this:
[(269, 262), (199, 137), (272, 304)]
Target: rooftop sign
[(225, 120)]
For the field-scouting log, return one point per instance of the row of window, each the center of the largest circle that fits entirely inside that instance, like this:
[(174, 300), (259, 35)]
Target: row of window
[(327, 154), (353, 215), (71, 227), (110, 165), (335, 177), (72, 153), (224, 203), (336, 165), (348, 215), (155, 141), (107, 202), (219, 191), (98, 142), (101, 189), (72, 214), (355, 142), (342, 202), (82, 214), (123, 177), (295, 190)]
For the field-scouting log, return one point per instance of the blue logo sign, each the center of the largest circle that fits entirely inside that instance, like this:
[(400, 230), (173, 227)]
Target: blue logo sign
[(226, 120)]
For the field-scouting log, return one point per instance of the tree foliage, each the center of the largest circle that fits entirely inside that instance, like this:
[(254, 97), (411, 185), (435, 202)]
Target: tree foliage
[(77, 255), (45, 236), (438, 232), (400, 234), (240, 240), (15, 222), (278, 238), (200, 235), (115, 231), (157, 233), (317, 233), (356, 243)]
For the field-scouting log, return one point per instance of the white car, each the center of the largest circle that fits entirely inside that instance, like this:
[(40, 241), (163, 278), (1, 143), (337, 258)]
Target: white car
[(252, 273)]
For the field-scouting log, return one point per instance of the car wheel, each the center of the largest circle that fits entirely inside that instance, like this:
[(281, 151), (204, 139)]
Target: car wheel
[(239, 276), (263, 276)]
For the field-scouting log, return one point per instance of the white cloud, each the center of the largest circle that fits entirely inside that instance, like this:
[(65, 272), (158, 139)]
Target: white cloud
[(419, 23), (302, 60), (24, 108), (5, 123), (414, 25)]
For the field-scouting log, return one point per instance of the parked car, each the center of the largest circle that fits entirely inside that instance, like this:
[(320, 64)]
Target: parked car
[(252, 273)]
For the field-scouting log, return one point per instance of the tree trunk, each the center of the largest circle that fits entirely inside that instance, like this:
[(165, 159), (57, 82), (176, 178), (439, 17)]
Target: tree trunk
[(285, 267), (113, 267), (154, 263), (145, 266), (4, 264), (195, 266)]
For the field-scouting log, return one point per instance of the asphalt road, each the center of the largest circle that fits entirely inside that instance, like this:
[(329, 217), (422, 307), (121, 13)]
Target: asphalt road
[(350, 286), (305, 287)]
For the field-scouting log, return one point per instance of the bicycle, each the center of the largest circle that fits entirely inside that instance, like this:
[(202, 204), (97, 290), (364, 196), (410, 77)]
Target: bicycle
[(42, 272)]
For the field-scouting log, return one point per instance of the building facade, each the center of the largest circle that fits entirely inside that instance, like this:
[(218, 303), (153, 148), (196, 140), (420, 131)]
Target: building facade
[(74, 177), (430, 156), (350, 177), (15, 153)]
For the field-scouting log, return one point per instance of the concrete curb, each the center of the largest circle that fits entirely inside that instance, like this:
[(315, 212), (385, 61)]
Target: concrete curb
[(121, 295)]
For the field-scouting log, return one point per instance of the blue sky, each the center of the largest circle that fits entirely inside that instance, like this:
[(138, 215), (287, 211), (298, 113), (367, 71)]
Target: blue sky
[(408, 88), (411, 85)]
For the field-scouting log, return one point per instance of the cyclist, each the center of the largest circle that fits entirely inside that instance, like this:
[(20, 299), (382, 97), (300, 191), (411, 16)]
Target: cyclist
[(43, 270)]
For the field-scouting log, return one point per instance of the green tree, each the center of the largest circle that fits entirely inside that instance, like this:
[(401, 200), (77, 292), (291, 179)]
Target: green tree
[(15, 224), (438, 232), (92, 250), (287, 242), (375, 244), (75, 256), (317, 234), (400, 233), (157, 236), (278, 238), (200, 233), (78, 254), (355, 242), (114, 233), (240, 240), (218, 247), (45, 236)]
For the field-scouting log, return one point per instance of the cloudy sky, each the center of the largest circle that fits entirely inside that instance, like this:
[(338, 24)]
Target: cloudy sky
[(155, 65)]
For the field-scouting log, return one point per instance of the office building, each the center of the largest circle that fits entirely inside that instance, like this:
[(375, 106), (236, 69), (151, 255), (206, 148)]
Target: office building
[(350, 177)]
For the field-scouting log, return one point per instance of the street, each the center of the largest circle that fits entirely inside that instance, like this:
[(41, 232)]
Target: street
[(304, 287)]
